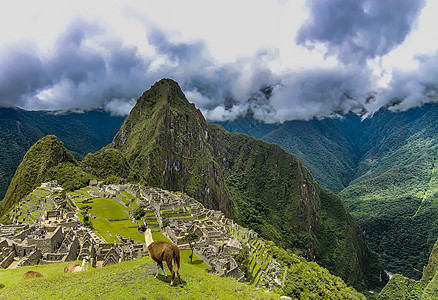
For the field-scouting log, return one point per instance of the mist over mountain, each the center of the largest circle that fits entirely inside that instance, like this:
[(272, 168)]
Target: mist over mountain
[(88, 66)]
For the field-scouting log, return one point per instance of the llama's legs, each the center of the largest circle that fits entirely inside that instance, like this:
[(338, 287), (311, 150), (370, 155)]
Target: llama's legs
[(169, 265), (179, 278), (160, 265)]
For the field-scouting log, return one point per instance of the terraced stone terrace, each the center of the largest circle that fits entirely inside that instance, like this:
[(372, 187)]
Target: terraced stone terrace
[(31, 207)]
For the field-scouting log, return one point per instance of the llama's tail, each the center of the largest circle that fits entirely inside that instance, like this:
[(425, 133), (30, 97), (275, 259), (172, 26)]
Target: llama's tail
[(176, 257)]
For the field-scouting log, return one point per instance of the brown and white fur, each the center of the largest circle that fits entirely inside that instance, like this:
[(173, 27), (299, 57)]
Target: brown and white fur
[(74, 267), (31, 274), (162, 251)]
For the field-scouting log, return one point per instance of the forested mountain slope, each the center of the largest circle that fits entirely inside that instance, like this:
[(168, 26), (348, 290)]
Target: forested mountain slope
[(394, 195), (324, 146), (401, 287), (382, 167)]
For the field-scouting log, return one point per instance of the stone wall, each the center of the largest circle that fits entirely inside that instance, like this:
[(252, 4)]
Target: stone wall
[(22, 251), (22, 235), (69, 224), (32, 259), (51, 243), (54, 257), (3, 243), (7, 260), (74, 249)]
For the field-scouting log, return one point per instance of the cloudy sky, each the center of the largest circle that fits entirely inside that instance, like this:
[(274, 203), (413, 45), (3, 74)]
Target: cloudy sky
[(277, 60)]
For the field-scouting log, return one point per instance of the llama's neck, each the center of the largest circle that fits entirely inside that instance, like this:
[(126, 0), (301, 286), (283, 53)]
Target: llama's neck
[(148, 237), (84, 266)]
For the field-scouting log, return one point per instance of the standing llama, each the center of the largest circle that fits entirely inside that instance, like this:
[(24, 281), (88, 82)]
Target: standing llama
[(162, 251), (74, 267), (31, 274)]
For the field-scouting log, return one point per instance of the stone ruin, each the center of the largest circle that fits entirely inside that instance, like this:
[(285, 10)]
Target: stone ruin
[(217, 243), (61, 244), (56, 235), (65, 240)]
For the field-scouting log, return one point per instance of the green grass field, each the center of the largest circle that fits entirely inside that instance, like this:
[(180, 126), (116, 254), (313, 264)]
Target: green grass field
[(104, 209), (128, 280)]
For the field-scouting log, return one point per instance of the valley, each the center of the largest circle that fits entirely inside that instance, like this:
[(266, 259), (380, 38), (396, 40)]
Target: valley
[(383, 168)]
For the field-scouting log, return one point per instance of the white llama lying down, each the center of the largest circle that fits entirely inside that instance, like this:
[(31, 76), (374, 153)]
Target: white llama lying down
[(75, 267)]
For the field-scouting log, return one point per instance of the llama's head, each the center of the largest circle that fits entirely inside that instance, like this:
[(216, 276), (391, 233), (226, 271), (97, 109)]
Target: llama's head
[(142, 228)]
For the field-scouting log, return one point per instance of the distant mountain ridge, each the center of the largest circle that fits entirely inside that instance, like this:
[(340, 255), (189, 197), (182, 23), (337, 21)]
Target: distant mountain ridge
[(81, 133), (166, 142), (384, 168)]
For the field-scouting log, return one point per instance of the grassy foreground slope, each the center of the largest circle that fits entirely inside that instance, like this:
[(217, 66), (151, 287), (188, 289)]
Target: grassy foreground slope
[(128, 280), (135, 280)]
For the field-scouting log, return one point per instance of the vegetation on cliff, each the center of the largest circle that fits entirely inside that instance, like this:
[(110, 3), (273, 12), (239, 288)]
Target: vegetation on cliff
[(34, 169), (384, 169), (401, 287)]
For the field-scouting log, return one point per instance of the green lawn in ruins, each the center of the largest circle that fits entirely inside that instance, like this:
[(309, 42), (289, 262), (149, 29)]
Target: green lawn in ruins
[(104, 209)]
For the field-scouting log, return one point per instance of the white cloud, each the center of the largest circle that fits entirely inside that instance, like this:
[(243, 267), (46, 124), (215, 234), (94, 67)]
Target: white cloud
[(119, 107), (59, 55)]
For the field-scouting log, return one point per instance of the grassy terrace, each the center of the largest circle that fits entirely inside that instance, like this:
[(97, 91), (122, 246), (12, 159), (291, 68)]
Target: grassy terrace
[(256, 263), (127, 195), (128, 200), (106, 208), (133, 205)]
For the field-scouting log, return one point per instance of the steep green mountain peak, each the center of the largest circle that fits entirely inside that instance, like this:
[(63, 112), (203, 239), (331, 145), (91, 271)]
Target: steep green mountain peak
[(167, 143), (163, 106), (41, 157)]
